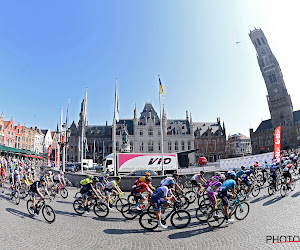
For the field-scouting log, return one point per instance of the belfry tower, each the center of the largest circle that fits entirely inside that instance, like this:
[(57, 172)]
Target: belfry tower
[(279, 101)]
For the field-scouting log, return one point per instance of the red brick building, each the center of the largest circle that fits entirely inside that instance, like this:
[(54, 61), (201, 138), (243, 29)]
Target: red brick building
[(9, 133), (18, 136)]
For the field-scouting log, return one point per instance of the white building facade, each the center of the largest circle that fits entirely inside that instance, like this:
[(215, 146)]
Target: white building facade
[(38, 142), (238, 145)]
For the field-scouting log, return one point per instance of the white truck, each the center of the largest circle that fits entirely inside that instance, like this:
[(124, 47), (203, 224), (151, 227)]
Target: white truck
[(87, 163), (129, 162)]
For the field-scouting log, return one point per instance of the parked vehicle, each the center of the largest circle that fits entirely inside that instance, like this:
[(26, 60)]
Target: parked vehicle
[(71, 168), (87, 163), (142, 173)]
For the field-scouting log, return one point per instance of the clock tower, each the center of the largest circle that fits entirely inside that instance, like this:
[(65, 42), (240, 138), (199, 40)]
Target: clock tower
[(279, 101)]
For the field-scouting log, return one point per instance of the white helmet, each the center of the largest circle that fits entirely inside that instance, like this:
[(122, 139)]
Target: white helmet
[(50, 172), (16, 172)]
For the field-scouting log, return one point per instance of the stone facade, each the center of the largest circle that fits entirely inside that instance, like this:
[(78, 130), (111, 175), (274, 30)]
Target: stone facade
[(38, 141), (28, 138), (238, 145), (210, 140), (279, 101)]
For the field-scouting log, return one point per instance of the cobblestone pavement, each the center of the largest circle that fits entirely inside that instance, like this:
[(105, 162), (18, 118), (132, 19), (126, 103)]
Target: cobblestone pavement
[(268, 216)]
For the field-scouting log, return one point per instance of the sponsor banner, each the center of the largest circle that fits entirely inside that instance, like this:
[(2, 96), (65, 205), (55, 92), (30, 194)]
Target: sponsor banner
[(247, 161), (133, 162), (48, 156), (277, 143)]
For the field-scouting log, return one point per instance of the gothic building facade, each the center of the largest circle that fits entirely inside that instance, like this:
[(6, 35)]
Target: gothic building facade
[(279, 102)]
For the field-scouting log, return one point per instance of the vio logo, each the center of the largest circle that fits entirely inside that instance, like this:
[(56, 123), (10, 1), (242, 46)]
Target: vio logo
[(158, 160)]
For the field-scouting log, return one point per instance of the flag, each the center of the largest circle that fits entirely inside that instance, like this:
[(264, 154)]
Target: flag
[(67, 116), (86, 147), (61, 124), (161, 89), (277, 143), (116, 111)]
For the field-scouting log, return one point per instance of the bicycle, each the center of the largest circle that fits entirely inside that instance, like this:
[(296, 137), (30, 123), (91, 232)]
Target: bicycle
[(240, 210), (14, 194), (100, 209), (47, 211), (60, 189), (2, 186), (274, 186), (284, 187), (117, 201), (179, 218)]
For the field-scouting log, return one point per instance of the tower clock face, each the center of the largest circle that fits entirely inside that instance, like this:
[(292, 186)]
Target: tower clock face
[(275, 90)]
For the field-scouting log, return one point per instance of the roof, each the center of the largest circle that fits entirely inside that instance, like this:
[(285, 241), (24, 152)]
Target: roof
[(240, 136), (148, 112), (183, 125), (296, 115), (204, 126), (6, 123), (102, 130)]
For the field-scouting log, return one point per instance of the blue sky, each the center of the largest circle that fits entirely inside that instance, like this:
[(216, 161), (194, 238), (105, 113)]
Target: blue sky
[(52, 50)]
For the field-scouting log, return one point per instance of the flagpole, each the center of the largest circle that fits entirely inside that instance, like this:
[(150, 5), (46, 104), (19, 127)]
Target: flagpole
[(94, 150), (114, 130), (161, 131)]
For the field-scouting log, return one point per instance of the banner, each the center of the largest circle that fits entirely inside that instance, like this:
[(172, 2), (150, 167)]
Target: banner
[(56, 156), (48, 156), (277, 143)]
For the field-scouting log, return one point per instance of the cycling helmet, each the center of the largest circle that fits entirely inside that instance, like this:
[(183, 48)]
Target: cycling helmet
[(171, 182), (242, 167), (147, 173), (234, 169), (251, 167), (43, 179), (215, 178), (16, 172), (175, 175), (232, 176), (61, 172), (148, 179), (95, 179), (90, 176), (50, 172), (106, 175)]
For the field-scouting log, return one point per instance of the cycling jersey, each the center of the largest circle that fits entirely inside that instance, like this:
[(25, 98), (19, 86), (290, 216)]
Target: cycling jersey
[(35, 186), (196, 177), (165, 181), (58, 177), (161, 192), (239, 173), (228, 184), (141, 188), (246, 174), (111, 185), (85, 181), (264, 166), (2, 172)]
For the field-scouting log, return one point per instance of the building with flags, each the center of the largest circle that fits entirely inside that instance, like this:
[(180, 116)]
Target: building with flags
[(279, 102)]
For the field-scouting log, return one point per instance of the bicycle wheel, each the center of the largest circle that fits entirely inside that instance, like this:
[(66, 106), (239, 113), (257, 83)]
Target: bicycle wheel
[(78, 195), (101, 209), (148, 221), (30, 207), (260, 180), (16, 198), (180, 219), (271, 190), (23, 193), (78, 206), (64, 193), (242, 194), (283, 190), (191, 196), (131, 199), (2, 187), (216, 219), (242, 211), (203, 212), (293, 185), (256, 190), (129, 211), (48, 213), (120, 202)]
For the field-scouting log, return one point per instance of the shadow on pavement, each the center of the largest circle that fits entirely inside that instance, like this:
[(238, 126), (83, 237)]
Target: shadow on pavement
[(188, 234), (109, 219), (64, 202), (18, 213), (270, 202), (296, 194), (67, 213), (260, 198), (124, 231)]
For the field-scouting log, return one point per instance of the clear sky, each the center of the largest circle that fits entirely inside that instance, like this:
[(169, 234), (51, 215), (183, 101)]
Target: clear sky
[(50, 50)]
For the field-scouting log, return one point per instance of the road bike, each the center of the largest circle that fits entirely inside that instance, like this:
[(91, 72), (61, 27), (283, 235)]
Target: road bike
[(47, 211), (237, 208), (99, 207), (284, 187), (60, 189), (179, 218), (117, 201)]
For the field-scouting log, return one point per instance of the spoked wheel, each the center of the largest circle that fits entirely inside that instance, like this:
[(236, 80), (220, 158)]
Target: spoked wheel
[(78, 206), (23, 193), (120, 203), (48, 213), (242, 211), (260, 180), (78, 195), (2, 187), (283, 190), (131, 199), (203, 212), (255, 190), (180, 218), (64, 193), (129, 211), (242, 195), (191, 196), (293, 185), (101, 209), (184, 202), (216, 219), (30, 207), (148, 221), (16, 198), (271, 190)]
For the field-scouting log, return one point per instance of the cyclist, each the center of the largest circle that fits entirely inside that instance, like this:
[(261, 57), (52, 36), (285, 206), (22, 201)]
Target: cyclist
[(26, 179), (174, 177), (87, 180), (34, 189), (88, 189), (273, 174), (247, 181), (287, 174), (49, 178), (264, 171), (103, 180), (225, 196), (142, 179), (161, 197), (195, 180), (139, 189), (14, 179), (213, 184), (2, 173), (112, 187), (58, 178)]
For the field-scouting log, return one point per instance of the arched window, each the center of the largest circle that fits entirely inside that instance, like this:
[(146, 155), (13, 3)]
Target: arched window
[(258, 42), (263, 40), (182, 145), (169, 146), (131, 146), (117, 146), (189, 145), (150, 132), (150, 146), (176, 146)]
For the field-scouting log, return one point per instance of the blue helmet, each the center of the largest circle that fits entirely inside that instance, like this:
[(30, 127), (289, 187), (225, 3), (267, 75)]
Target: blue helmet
[(171, 182), (230, 175)]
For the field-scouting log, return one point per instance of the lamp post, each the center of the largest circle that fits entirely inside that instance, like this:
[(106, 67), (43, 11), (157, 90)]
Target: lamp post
[(62, 137)]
